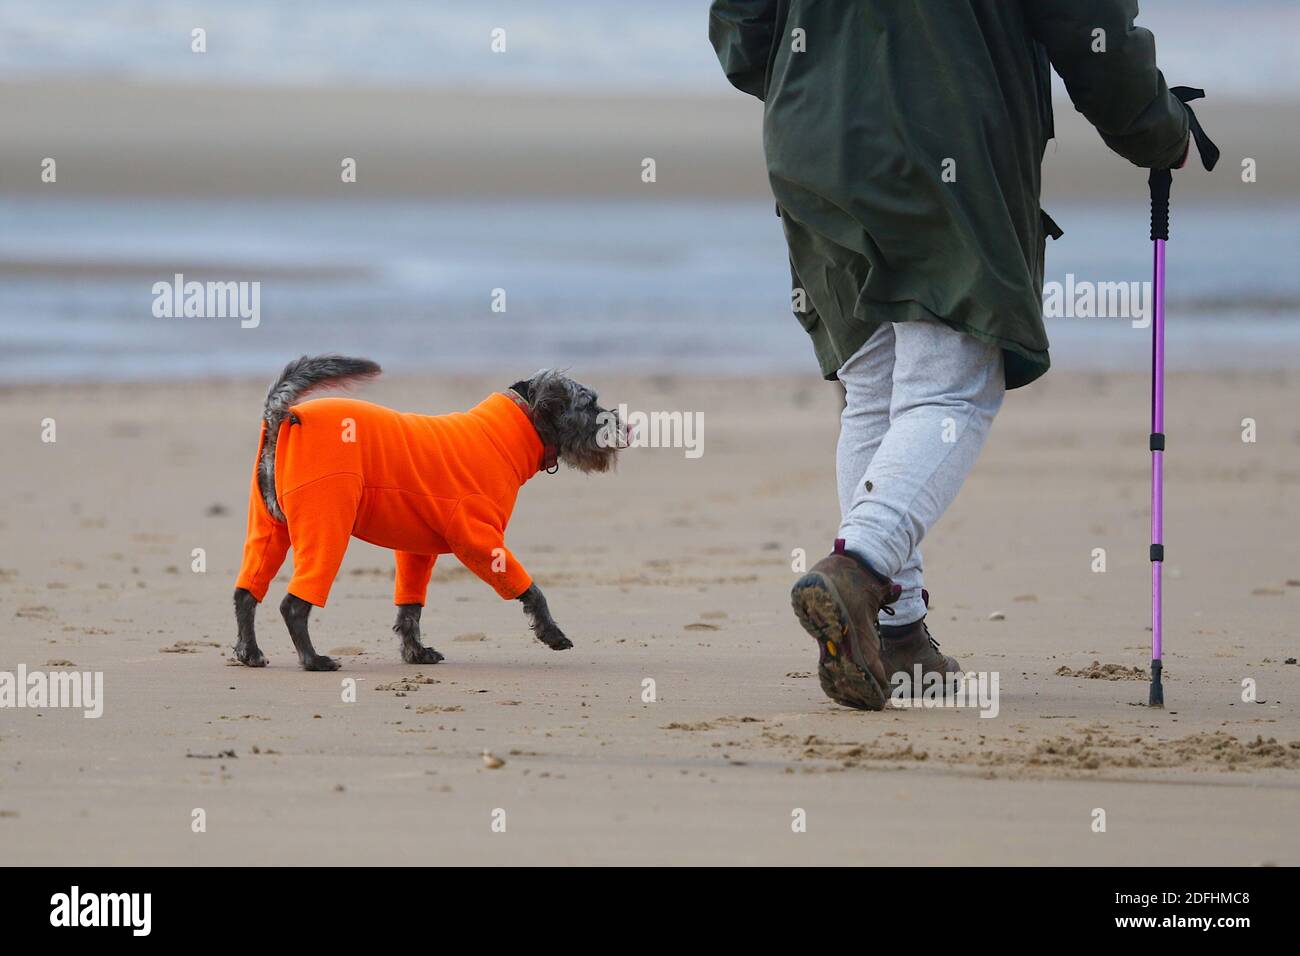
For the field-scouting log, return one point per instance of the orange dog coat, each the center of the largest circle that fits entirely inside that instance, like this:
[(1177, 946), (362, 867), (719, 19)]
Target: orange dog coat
[(423, 485)]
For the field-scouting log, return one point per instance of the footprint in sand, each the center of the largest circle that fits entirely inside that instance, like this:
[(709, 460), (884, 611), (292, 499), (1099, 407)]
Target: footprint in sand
[(37, 611), (1099, 671), (188, 647)]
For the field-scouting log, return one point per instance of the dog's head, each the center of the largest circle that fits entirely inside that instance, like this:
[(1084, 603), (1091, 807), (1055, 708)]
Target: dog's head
[(568, 417)]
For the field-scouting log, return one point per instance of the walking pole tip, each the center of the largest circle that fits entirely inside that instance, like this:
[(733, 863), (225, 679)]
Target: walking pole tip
[(1157, 696)]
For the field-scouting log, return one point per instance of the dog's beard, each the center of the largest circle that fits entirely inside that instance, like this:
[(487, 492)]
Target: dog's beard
[(590, 457), (593, 441)]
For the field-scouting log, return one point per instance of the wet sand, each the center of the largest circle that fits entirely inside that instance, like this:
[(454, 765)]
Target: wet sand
[(111, 137)]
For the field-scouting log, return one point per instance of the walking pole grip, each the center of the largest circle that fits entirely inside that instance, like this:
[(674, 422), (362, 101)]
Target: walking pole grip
[(1159, 182)]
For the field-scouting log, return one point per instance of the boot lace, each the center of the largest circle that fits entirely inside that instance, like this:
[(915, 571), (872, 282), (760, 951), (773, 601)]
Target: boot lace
[(895, 590)]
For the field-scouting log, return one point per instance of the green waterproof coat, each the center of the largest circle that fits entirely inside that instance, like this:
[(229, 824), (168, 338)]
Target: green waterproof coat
[(904, 140)]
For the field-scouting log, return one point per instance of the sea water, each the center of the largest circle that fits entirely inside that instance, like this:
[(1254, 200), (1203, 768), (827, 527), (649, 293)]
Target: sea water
[(511, 286)]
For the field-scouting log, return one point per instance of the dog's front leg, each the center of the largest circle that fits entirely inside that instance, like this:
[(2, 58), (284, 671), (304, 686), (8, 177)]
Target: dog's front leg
[(295, 612), (246, 649), (540, 620), (408, 629)]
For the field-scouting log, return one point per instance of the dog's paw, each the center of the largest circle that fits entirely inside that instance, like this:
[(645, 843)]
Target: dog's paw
[(320, 663), (554, 638), (420, 655), (250, 655)]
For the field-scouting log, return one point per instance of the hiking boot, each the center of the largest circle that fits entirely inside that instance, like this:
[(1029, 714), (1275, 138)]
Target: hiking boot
[(837, 602), (909, 645)]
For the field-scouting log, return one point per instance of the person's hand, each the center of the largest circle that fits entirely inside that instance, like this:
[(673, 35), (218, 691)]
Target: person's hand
[(1186, 152)]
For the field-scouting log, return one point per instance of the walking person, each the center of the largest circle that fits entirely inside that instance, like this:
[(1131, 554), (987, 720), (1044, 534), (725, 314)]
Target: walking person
[(904, 140)]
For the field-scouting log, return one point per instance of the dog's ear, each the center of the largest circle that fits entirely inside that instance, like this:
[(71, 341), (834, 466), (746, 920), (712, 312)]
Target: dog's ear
[(524, 389), (551, 395)]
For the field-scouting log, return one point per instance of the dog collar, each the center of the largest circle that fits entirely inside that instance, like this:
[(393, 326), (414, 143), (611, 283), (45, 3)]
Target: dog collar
[(550, 454)]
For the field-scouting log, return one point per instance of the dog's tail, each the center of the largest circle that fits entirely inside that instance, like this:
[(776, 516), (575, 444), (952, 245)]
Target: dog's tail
[(299, 378), (309, 374)]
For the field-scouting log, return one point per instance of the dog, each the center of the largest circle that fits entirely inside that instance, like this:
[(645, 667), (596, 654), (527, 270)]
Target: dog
[(334, 468)]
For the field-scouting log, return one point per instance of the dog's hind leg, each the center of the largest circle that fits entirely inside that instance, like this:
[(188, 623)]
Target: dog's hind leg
[(246, 649), (539, 618), (320, 518), (408, 629), (295, 612), (265, 546)]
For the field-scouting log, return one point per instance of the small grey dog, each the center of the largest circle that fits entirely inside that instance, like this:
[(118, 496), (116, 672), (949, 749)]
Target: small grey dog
[(334, 468)]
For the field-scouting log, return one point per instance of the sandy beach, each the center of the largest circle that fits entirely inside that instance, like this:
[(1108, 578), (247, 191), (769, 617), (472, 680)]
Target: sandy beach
[(687, 725), (675, 570)]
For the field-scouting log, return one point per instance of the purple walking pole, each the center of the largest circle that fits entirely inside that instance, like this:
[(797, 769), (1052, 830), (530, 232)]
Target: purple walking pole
[(1160, 181)]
